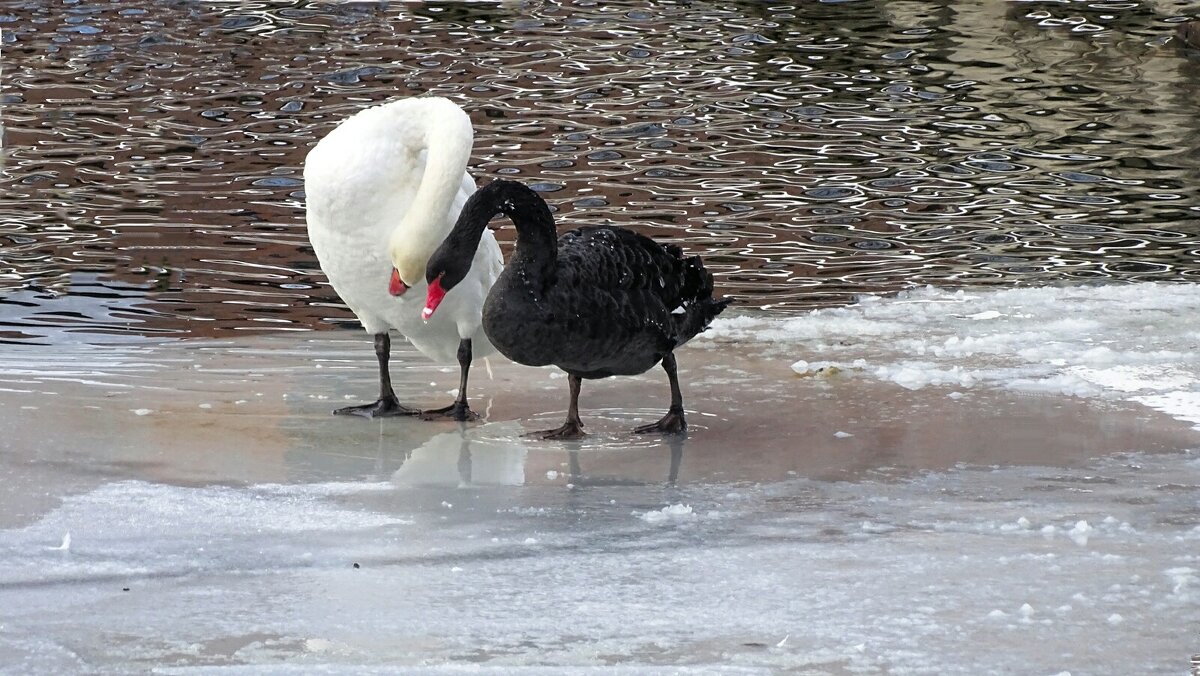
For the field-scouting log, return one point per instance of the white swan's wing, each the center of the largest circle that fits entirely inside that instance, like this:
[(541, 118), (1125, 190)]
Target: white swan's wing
[(362, 180)]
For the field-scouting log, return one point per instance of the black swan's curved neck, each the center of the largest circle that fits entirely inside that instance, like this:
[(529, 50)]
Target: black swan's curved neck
[(537, 241)]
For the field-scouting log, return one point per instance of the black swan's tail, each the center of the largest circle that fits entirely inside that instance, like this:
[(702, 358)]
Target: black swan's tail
[(699, 307)]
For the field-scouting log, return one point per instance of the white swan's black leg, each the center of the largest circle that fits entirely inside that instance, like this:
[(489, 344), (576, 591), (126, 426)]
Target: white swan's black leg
[(387, 406), (573, 427), (673, 422), (459, 410)]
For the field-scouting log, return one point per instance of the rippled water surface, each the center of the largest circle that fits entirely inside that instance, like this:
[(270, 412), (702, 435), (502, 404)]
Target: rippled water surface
[(811, 151)]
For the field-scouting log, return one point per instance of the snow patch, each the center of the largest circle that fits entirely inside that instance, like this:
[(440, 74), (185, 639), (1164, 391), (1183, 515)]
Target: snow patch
[(1080, 533), (1129, 342), (1181, 579), (680, 512)]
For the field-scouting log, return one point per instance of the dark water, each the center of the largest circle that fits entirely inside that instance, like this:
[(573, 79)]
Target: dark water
[(811, 151)]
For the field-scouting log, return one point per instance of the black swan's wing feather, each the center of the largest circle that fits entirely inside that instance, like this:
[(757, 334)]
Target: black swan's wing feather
[(616, 258), (628, 299)]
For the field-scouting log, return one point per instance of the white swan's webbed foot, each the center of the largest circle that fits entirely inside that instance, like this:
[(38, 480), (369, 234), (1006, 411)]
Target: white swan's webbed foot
[(386, 407), (672, 423), (570, 430), (457, 411)]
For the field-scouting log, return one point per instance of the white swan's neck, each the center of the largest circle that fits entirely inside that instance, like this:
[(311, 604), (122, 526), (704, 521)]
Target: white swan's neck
[(443, 131)]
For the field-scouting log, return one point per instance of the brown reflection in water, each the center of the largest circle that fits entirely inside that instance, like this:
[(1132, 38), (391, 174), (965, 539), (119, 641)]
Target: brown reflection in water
[(811, 151)]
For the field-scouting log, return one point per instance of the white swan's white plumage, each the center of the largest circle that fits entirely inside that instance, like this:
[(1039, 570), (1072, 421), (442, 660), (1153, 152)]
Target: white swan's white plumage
[(383, 190)]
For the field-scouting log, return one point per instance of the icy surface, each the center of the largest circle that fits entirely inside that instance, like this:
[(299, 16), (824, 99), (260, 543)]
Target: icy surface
[(1139, 342), (939, 483), (512, 577)]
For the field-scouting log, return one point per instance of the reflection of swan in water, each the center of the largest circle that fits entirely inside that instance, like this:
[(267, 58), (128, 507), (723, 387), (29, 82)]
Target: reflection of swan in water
[(494, 455), (674, 444), (489, 455)]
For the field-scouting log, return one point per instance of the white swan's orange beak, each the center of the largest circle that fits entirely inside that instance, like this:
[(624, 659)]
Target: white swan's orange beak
[(396, 286), (433, 298)]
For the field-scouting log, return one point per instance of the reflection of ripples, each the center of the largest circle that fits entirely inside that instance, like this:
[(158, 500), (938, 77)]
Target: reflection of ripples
[(811, 152)]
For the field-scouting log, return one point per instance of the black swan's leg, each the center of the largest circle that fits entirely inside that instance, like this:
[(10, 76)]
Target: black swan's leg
[(672, 422), (572, 428), (458, 410), (388, 405)]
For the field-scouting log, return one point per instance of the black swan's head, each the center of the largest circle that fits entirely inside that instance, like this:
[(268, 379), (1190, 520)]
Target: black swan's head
[(447, 267), (451, 262)]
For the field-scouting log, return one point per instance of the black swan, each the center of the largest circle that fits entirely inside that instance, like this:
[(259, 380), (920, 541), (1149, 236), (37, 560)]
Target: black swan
[(603, 301)]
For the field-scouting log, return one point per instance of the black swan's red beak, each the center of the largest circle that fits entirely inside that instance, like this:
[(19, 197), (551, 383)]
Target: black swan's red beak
[(433, 298)]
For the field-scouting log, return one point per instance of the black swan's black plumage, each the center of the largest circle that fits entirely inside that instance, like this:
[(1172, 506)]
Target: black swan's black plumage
[(598, 302)]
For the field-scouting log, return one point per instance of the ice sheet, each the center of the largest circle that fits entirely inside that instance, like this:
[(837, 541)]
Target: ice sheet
[(1024, 569), (193, 507)]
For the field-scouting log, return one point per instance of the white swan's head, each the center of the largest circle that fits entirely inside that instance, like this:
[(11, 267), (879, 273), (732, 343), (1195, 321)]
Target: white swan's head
[(408, 266), (410, 246)]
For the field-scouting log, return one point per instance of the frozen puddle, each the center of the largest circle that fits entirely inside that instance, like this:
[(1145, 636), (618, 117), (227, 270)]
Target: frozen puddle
[(1000, 482)]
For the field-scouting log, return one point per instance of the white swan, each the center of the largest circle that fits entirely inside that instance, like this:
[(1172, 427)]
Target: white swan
[(383, 190)]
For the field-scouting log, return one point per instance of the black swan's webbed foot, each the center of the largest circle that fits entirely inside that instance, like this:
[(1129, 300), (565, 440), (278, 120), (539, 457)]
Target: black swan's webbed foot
[(457, 411), (570, 430), (671, 423), (386, 407)]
